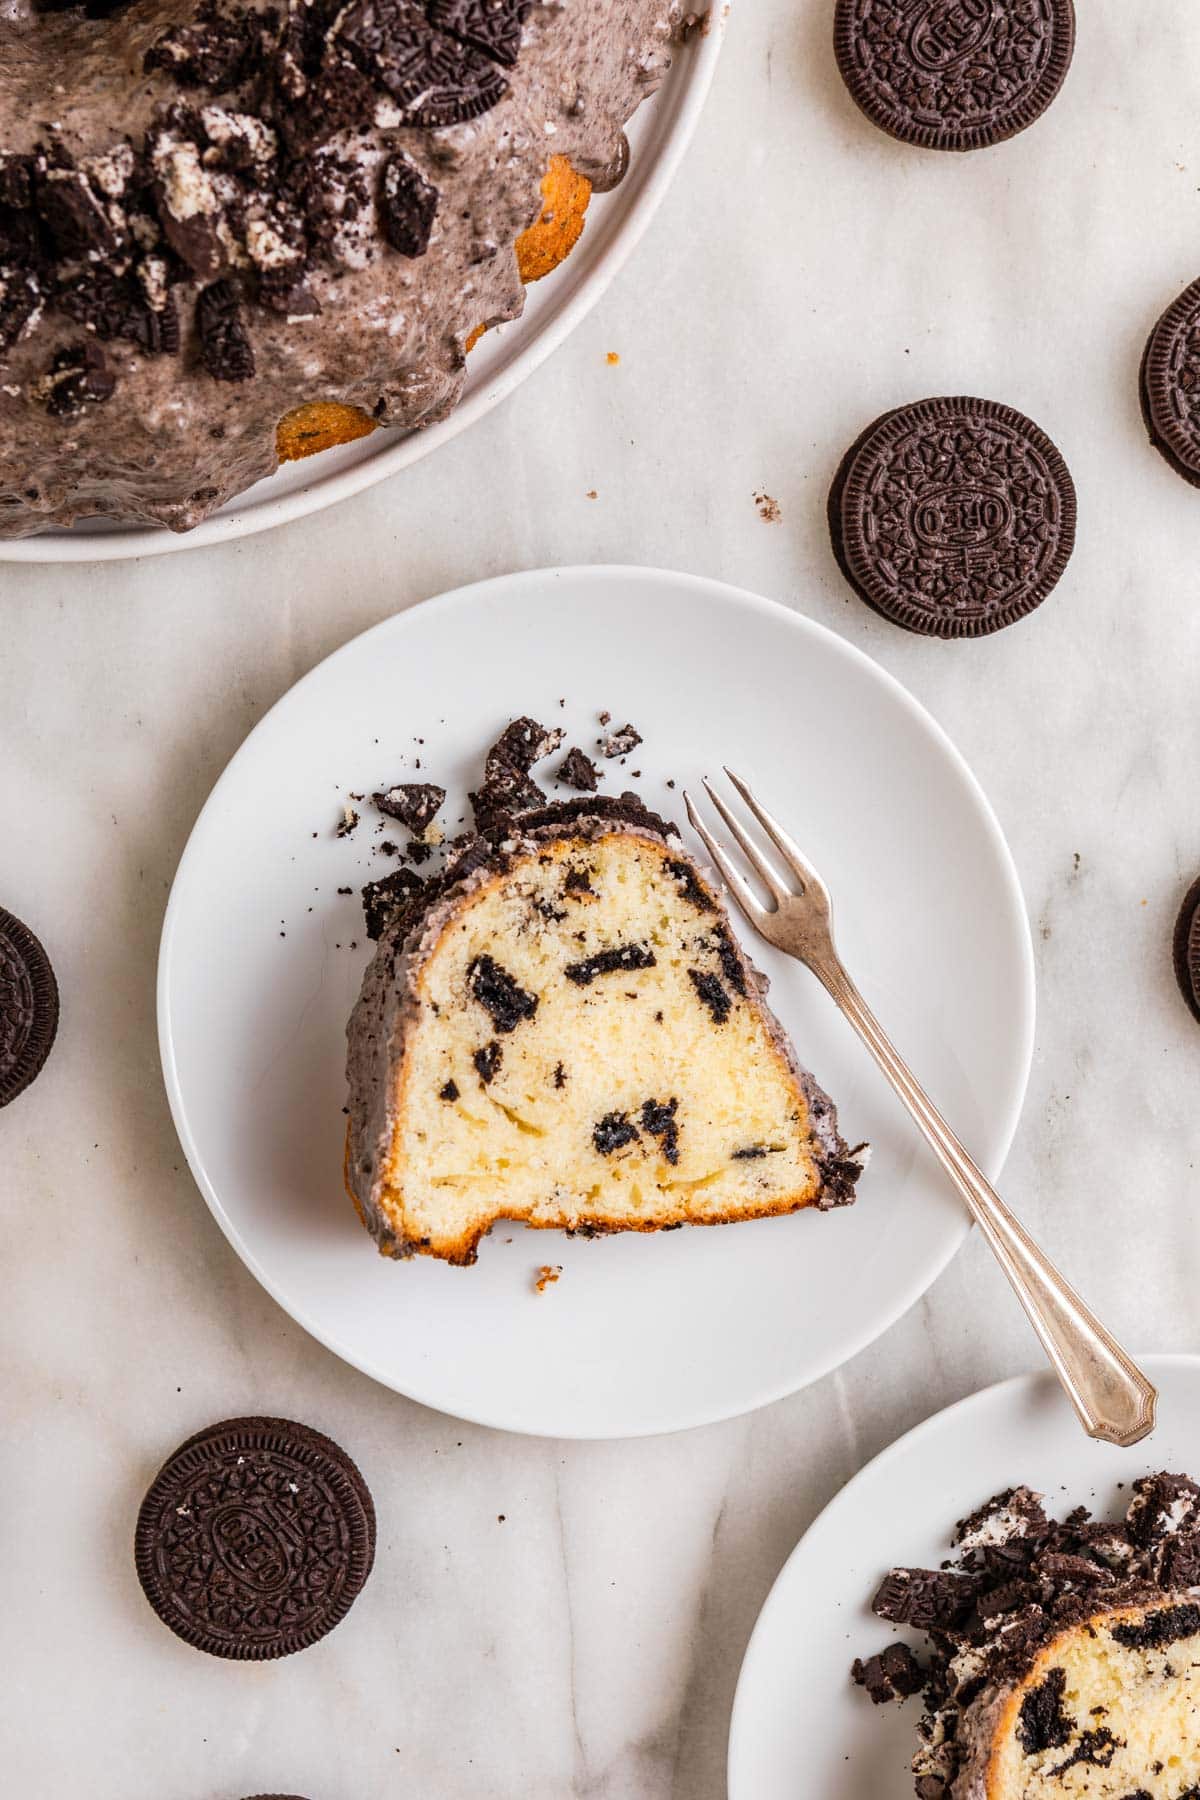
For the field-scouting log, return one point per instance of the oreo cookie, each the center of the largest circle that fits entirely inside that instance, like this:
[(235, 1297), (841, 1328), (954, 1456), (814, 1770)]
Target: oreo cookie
[(255, 1539), (1169, 385), (28, 1007), (1186, 948), (953, 74), (953, 517)]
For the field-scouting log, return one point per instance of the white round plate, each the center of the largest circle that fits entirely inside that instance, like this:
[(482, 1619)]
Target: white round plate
[(658, 133), (799, 1726), (641, 1334)]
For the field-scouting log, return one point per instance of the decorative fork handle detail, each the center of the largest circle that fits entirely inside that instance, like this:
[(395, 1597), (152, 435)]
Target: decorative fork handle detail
[(1113, 1399)]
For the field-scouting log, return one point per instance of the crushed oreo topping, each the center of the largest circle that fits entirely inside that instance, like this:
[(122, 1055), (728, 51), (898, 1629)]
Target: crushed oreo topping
[(1019, 1578), (579, 771), (384, 899), (499, 994), (415, 804), (239, 181), (225, 347), (684, 877), (407, 204), (609, 962)]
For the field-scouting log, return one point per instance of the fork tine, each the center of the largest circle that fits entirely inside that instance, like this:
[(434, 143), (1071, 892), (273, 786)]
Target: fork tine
[(738, 887), (750, 850), (796, 860)]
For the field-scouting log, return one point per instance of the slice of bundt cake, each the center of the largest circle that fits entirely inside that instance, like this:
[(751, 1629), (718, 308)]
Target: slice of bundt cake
[(562, 1029), (1066, 1657), (1110, 1708)]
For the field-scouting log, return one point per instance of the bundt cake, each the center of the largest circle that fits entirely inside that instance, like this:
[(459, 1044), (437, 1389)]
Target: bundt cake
[(561, 1028), (1066, 1656), (235, 232)]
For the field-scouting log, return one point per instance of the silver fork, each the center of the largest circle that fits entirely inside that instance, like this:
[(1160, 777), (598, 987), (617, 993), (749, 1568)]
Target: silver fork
[(1112, 1397)]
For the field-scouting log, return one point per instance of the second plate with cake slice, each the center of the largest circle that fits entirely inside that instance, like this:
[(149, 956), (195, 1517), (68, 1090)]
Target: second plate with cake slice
[(639, 1332), (1036, 1587)]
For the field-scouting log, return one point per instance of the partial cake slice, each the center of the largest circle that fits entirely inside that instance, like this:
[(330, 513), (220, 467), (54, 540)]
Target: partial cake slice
[(1110, 1709), (1065, 1655), (562, 1029)]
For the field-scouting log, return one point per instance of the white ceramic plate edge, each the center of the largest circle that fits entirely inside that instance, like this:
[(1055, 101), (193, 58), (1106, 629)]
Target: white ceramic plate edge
[(647, 188), (870, 1471), (907, 1296)]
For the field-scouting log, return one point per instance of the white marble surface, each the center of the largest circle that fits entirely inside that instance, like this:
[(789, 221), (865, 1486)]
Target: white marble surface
[(804, 274)]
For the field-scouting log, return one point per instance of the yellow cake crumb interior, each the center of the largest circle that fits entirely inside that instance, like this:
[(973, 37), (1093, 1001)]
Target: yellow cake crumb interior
[(631, 1097), (1142, 1707)]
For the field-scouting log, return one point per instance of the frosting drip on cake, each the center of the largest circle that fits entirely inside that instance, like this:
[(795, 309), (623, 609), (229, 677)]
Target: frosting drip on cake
[(209, 217)]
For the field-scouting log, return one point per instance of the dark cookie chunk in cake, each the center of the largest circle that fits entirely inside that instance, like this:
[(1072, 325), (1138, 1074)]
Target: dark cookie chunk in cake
[(28, 1007), (954, 74), (712, 994), (658, 1121), (684, 876), (613, 1132), (1043, 1724), (415, 804), (487, 1061), (1169, 385), (610, 962), (953, 517), (407, 204), (499, 994)]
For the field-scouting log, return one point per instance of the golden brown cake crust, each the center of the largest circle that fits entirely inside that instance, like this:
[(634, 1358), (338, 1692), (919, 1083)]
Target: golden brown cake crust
[(827, 1174)]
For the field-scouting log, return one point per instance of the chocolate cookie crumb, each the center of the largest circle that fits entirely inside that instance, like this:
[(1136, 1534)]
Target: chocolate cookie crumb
[(608, 962), (414, 803), (612, 1132), (620, 743), (579, 771), (499, 995)]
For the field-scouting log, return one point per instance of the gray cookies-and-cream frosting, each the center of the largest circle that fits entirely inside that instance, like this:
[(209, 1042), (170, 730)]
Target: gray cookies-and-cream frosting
[(212, 213)]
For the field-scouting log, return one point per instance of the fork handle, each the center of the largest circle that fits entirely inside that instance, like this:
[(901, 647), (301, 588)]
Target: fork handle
[(1112, 1397)]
